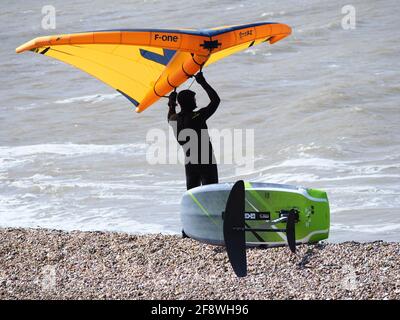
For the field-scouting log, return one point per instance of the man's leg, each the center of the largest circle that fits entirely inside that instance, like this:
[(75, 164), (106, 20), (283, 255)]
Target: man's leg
[(209, 174), (193, 178)]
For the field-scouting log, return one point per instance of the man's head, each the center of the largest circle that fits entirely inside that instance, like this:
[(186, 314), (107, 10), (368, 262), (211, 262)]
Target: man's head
[(186, 100)]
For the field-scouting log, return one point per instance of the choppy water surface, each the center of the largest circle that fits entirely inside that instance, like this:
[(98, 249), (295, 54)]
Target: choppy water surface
[(324, 104)]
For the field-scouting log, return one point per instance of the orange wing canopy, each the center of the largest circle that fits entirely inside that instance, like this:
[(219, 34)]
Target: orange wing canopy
[(146, 64)]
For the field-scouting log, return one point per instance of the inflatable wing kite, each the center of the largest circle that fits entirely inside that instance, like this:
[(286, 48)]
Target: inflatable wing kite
[(146, 64)]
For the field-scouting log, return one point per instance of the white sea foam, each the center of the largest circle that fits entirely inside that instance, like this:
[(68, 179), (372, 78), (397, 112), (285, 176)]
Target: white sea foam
[(267, 14), (56, 216), (8, 163), (360, 205), (54, 184), (287, 178), (91, 98), (314, 162), (365, 189), (326, 124), (367, 228), (350, 169), (99, 224), (70, 149)]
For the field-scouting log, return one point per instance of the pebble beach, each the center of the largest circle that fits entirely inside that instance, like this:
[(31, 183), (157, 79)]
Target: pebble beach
[(51, 264)]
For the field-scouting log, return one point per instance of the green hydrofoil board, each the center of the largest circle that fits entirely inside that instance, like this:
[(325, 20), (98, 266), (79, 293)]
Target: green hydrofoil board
[(202, 212)]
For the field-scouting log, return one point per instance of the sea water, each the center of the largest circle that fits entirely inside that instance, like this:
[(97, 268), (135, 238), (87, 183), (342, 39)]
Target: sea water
[(323, 104)]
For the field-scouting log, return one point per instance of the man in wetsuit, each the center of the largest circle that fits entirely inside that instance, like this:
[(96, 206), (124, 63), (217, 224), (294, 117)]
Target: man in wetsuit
[(200, 164)]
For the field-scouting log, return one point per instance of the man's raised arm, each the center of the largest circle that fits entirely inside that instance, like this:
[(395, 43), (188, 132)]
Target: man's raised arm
[(172, 106), (212, 94)]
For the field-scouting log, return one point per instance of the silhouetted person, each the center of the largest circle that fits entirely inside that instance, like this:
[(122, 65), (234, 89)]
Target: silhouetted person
[(200, 164)]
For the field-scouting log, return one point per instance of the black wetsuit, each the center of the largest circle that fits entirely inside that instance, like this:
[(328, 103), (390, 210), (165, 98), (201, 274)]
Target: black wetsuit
[(198, 171)]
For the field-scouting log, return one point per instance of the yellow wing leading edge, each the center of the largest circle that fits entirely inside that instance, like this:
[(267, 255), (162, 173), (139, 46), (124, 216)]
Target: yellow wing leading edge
[(146, 64)]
